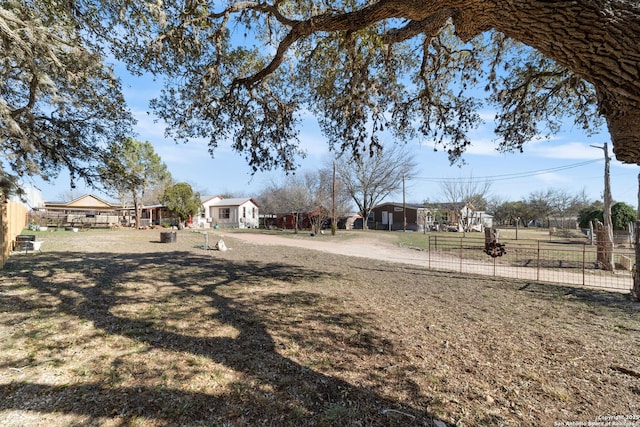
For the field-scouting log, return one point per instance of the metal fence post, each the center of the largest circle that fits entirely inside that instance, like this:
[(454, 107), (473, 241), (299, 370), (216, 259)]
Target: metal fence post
[(538, 262), (494, 267), (584, 261), (461, 255)]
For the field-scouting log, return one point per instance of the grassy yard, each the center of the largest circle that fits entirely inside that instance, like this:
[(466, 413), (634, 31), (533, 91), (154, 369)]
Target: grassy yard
[(113, 328), (524, 237)]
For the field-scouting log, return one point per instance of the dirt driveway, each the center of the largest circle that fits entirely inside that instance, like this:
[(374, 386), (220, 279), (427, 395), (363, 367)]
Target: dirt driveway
[(377, 246)]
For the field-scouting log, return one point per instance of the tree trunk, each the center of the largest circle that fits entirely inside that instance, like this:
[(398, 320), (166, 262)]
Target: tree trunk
[(604, 247), (138, 209), (635, 291), (598, 40), (4, 234), (365, 216)]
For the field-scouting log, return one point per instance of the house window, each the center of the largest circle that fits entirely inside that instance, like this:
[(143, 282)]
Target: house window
[(224, 213), (244, 212), (253, 213)]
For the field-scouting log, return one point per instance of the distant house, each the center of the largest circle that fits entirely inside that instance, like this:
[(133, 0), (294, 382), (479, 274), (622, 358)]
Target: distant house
[(304, 219), (87, 210), (207, 215), (231, 213), (436, 216), (390, 216), (475, 220), (293, 220), (88, 203), (444, 216), (151, 215), (458, 217), (90, 210)]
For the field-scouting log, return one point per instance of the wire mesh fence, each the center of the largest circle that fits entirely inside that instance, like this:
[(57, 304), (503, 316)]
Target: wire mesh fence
[(564, 262)]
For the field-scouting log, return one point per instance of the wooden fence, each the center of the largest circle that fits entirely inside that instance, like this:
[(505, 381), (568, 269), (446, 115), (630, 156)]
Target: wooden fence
[(13, 219)]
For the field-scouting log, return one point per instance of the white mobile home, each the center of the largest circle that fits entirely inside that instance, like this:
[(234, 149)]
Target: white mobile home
[(231, 213)]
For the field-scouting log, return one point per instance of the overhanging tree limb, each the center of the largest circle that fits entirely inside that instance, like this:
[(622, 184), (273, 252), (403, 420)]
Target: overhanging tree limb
[(311, 49)]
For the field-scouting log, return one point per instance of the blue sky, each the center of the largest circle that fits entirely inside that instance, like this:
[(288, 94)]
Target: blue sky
[(566, 162)]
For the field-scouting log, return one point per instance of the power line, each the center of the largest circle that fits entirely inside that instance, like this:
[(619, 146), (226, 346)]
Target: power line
[(507, 176)]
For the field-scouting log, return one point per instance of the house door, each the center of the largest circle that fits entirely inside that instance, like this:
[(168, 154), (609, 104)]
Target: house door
[(390, 221), (234, 216)]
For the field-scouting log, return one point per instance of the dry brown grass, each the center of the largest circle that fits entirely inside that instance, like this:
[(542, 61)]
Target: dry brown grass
[(113, 328)]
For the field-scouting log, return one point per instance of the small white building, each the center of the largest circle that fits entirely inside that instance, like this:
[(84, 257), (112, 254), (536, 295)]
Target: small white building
[(206, 219), (475, 220), (229, 213)]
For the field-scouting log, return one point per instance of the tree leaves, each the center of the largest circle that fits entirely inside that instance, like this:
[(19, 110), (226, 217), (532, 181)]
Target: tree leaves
[(130, 168), (60, 104), (242, 73), (180, 200)]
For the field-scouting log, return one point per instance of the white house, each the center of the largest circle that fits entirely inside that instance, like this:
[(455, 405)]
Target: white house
[(229, 213), (475, 220), (206, 219)]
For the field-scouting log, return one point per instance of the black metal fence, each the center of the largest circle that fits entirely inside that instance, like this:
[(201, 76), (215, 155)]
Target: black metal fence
[(564, 262)]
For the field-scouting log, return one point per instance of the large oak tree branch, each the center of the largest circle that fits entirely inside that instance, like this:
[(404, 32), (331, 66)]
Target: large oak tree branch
[(598, 41)]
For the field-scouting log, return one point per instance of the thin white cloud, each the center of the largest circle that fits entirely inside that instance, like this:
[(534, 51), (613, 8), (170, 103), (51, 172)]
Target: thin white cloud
[(569, 150), (553, 179), (483, 147), (148, 126), (312, 141), (182, 154)]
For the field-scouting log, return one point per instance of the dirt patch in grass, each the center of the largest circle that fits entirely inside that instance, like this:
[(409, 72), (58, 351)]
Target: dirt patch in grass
[(113, 328)]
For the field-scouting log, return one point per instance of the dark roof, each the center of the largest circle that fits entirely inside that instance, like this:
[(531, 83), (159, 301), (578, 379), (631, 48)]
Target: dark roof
[(407, 205)]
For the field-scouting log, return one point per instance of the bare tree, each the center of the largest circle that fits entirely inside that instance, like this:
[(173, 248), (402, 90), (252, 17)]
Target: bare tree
[(467, 196), (370, 179), (540, 204), (290, 197), (562, 205), (321, 185), (310, 192)]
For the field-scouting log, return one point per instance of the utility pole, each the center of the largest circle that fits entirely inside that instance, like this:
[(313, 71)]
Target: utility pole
[(605, 238)]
